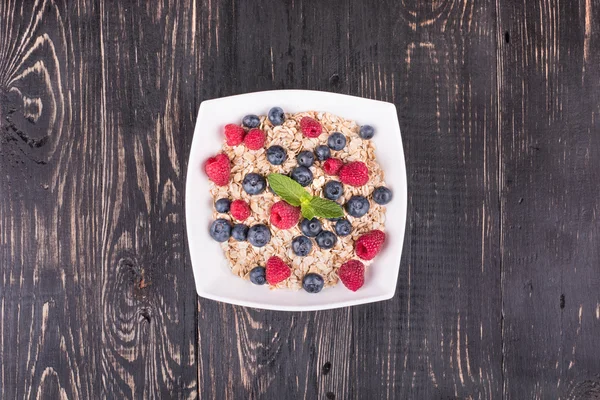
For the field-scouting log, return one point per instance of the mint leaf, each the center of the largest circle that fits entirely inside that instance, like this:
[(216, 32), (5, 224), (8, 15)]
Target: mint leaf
[(326, 208), (308, 211), (288, 189)]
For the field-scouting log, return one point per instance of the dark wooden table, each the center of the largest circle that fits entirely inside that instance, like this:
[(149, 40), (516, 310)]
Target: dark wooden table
[(499, 288)]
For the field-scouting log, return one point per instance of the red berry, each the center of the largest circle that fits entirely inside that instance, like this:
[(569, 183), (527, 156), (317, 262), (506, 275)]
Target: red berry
[(239, 210), (352, 274), (255, 139), (277, 270), (369, 244), (284, 215), (217, 169), (310, 127), (234, 134), (355, 173), (332, 166)]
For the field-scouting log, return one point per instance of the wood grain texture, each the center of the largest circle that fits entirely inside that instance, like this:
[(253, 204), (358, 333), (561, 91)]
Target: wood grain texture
[(498, 289), (549, 102)]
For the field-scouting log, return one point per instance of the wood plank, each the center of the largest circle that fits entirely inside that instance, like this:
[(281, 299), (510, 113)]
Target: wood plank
[(440, 336), (549, 103), (95, 298)]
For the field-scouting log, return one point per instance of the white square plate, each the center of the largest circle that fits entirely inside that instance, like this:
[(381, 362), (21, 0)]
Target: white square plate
[(214, 279)]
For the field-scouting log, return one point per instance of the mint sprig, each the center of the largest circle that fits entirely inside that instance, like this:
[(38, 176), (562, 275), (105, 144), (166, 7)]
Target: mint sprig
[(311, 206)]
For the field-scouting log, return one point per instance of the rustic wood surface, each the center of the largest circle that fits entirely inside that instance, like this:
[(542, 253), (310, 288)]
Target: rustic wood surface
[(499, 106)]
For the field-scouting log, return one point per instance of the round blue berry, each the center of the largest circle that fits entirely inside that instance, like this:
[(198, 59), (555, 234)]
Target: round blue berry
[(357, 206), (301, 246), (259, 235), (276, 116), (366, 132), (311, 227), (333, 190), (276, 155), (251, 121), (382, 195), (322, 152), (326, 240), (343, 227), (313, 283), (254, 183), (220, 230), (222, 205), (258, 275), (305, 158), (239, 232), (302, 175), (336, 141)]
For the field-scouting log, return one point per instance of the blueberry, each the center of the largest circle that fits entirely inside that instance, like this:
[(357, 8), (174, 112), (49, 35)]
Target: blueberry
[(258, 275), (302, 175), (276, 116), (254, 183), (357, 206), (239, 232), (276, 155), (322, 152), (366, 132), (222, 205), (313, 283), (336, 141), (382, 195), (301, 246), (259, 235), (305, 158), (326, 240), (251, 121), (343, 227), (333, 190), (310, 227), (220, 230)]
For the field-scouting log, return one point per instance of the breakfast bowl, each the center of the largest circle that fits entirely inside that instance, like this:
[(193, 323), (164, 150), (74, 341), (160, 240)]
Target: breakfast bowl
[(267, 147)]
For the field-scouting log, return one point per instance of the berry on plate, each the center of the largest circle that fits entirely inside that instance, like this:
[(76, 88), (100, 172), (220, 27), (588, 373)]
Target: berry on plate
[(239, 210), (276, 116), (313, 283), (366, 132), (301, 246), (254, 183), (382, 195), (239, 232), (326, 240), (357, 206), (322, 152), (333, 190), (369, 244), (284, 215), (310, 127), (311, 227), (259, 235), (234, 134), (343, 227), (251, 121), (302, 175), (332, 166), (258, 275), (352, 274), (305, 158), (217, 169), (220, 230), (276, 155), (354, 173), (222, 205), (336, 141), (255, 139), (277, 270)]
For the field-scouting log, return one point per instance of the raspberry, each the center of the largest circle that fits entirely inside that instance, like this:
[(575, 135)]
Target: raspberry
[(354, 173), (284, 215), (217, 169), (255, 139), (352, 274), (310, 128), (369, 244), (239, 210), (332, 166), (234, 134), (277, 270)]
